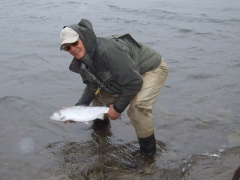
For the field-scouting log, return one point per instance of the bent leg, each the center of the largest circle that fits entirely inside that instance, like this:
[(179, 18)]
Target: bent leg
[(104, 99), (140, 111)]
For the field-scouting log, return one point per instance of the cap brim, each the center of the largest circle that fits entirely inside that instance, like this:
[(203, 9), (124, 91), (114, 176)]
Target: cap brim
[(68, 40)]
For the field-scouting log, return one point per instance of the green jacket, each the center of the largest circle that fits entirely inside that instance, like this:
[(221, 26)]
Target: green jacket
[(115, 63)]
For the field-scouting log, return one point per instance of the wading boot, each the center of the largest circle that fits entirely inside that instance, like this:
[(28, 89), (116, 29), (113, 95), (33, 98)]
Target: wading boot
[(147, 145), (101, 123)]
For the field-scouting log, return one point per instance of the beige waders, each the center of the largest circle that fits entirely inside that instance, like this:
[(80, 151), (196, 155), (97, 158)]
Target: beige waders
[(140, 110)]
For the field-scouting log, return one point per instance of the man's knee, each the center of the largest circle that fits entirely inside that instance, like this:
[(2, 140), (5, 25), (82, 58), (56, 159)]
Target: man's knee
[(139, 109), (141, 118)]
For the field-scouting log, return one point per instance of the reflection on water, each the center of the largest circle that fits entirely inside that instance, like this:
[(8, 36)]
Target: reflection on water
[(102, 158), (78, 151)]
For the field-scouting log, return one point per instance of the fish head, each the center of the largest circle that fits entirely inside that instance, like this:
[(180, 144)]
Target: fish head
[(56, 116)]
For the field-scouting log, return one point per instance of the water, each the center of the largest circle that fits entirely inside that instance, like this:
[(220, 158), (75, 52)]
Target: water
[(196, 115)]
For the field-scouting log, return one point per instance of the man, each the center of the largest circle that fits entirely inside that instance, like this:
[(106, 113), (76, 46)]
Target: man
[(118, 71)]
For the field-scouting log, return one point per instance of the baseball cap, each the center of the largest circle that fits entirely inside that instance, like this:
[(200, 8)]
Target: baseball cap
[(68, 35)]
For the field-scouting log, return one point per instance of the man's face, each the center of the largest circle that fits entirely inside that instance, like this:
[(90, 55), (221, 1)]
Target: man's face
[(78, 51)]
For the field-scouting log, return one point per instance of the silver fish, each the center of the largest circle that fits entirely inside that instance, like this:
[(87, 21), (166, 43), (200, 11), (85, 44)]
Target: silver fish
[(80, 113)]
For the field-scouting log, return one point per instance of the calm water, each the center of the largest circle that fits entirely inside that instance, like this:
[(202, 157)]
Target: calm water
[(196, 116)]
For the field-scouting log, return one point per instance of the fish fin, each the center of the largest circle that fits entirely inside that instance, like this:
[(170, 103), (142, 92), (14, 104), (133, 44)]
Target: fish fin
[(63, 118), (86, 122)]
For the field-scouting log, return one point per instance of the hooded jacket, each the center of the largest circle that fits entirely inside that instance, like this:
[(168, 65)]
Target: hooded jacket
[(115, 64)]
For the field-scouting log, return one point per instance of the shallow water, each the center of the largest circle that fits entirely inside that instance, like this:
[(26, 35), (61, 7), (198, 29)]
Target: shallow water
[(196, 115)]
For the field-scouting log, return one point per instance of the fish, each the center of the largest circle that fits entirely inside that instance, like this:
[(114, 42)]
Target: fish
[(83, 114)]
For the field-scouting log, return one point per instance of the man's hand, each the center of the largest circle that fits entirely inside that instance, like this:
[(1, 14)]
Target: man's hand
[(112, 114), (70, 121)]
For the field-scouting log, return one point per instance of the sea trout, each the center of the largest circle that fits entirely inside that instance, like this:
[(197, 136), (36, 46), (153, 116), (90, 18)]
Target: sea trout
[(80, 113)]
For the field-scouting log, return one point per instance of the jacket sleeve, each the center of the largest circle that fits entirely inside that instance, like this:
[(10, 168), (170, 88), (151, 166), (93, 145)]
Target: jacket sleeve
[(122, 69), (87, 96)]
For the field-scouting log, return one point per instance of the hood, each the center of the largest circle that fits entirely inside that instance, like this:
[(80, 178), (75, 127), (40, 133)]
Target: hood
[(85, 30)]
